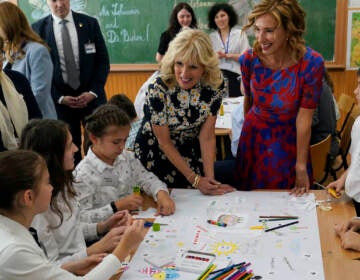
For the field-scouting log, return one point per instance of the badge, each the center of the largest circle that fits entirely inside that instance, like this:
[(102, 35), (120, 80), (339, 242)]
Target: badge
[(90, 48)]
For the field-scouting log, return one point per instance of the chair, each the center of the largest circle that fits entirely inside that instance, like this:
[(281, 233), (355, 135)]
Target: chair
[(320, 159), (345, 140), (345, 103)]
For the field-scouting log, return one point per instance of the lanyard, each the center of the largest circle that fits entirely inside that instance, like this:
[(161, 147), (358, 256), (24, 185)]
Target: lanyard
[(226, 47)]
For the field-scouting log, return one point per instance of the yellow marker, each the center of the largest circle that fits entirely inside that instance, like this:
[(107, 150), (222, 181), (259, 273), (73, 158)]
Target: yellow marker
[(256, 227), (333, 193), (221, 110)]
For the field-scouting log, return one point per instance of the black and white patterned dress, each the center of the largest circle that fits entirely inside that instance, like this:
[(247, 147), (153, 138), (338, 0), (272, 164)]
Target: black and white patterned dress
[(183, 111)]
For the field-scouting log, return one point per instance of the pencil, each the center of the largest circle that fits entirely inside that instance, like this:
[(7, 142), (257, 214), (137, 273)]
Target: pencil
[(278, 217), (281, 226), (206, 273)]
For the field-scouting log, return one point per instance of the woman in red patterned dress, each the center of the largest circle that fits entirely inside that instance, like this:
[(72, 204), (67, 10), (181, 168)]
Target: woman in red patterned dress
[(282, 79)]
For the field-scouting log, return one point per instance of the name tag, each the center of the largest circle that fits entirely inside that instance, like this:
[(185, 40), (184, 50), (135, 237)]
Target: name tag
[(90, 48)]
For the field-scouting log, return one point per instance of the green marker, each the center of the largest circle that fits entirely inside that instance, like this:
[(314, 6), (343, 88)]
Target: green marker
[(137, 191)]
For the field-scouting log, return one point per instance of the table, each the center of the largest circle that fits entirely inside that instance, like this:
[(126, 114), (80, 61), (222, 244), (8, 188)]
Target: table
[(338, 263)]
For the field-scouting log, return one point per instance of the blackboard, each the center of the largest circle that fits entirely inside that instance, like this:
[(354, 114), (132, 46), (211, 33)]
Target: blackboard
[(132, 28)]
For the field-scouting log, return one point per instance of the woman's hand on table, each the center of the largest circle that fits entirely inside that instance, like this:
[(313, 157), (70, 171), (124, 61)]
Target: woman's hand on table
[(302, 185), (210, 186)]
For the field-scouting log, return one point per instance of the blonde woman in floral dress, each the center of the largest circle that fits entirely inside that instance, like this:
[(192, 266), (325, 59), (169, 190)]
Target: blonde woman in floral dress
[(177, 138)]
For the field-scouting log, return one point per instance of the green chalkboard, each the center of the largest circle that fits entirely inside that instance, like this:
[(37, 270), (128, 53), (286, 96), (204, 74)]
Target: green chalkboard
[(132, 28)]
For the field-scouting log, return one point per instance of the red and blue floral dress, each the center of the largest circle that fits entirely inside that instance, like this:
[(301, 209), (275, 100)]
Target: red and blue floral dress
[(266, 155)]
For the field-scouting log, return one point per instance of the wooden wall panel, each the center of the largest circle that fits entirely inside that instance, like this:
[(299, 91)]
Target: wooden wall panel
[(130, 82), (344, 82), (125, 82)]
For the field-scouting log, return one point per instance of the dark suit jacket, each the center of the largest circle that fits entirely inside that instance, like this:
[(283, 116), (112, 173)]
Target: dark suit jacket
[(94, 68)]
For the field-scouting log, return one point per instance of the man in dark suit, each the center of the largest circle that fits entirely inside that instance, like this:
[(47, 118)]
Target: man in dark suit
[(81, 64)]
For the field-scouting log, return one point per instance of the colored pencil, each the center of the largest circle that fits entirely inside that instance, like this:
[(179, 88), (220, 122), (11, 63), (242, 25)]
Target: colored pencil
[(281, 226), (206, 273), (278, 217)]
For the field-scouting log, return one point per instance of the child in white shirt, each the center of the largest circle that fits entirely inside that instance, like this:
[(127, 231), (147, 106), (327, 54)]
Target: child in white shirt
[(25, 192), (350, 179), (105, 178), (59, 228)]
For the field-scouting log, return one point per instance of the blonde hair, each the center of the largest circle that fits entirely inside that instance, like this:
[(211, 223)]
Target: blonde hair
[(289, 15), (193, 46), (16, 27)]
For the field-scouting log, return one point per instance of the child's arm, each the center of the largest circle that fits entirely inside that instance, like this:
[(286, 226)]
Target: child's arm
[(147, 180), (165, 204)]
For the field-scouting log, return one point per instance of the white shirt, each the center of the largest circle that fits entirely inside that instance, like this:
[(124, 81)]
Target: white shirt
[(97, 183), (67, 242), (73, 37), (141, 95), (237, 43), (352, 182), (22, 259), (237, 121)]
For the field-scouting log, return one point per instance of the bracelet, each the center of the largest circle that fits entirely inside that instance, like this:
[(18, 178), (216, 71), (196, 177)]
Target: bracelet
[(190, 176), (113, 206), (196, 181)]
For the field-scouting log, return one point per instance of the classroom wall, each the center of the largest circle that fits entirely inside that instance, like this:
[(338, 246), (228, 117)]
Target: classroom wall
[(130, 82)]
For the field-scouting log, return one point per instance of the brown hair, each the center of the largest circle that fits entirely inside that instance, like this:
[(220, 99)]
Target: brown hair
[(48, 138), (289, 15), (103, 117), (19, 170), (16, 27)]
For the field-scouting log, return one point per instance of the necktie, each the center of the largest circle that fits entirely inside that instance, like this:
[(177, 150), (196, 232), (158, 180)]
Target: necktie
[(34, 234), (70, 65)]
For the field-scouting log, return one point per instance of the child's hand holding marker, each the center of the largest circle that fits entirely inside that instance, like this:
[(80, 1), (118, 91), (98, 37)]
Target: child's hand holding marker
[(332, 189), (131, 202)]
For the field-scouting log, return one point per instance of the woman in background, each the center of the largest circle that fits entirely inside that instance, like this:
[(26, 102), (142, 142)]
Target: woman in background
[(181, 16), (228, 42), (28, 54), (17, 105), (282, 80), (25, 191)]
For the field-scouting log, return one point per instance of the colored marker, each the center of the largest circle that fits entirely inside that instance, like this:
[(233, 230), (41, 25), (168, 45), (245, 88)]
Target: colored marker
[(137, 191), (331, 191), (150, 224), (281, 226), (217, 223)]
